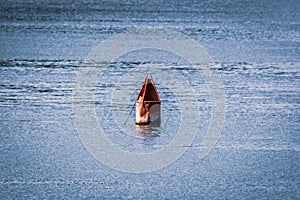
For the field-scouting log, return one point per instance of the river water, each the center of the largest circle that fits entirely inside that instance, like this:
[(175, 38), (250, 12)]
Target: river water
[(255, 49)]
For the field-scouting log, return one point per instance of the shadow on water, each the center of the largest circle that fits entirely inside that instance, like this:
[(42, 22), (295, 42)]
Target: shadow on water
[(148, 131)]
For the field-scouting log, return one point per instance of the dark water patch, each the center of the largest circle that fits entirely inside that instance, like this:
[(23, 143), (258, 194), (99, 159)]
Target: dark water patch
[(40, 63)]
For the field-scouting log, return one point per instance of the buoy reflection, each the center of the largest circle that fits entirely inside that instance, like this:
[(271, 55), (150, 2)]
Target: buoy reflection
[(150, 130)]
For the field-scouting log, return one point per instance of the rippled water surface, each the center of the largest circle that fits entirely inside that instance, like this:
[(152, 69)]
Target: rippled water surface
[(255, 47)]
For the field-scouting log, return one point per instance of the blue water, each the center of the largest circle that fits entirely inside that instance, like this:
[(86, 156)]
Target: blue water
[(255, 45)]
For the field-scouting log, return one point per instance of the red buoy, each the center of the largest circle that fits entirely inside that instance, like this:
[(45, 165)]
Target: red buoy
[(148, 103)]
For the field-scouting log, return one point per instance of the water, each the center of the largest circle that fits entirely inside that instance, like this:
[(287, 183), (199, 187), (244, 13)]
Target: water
[(256, 49)]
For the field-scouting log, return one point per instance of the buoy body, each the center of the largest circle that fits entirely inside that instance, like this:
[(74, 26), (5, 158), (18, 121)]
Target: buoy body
[(148, 103)]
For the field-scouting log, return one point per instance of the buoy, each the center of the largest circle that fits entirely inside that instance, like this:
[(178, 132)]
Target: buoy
[(148, 103)]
